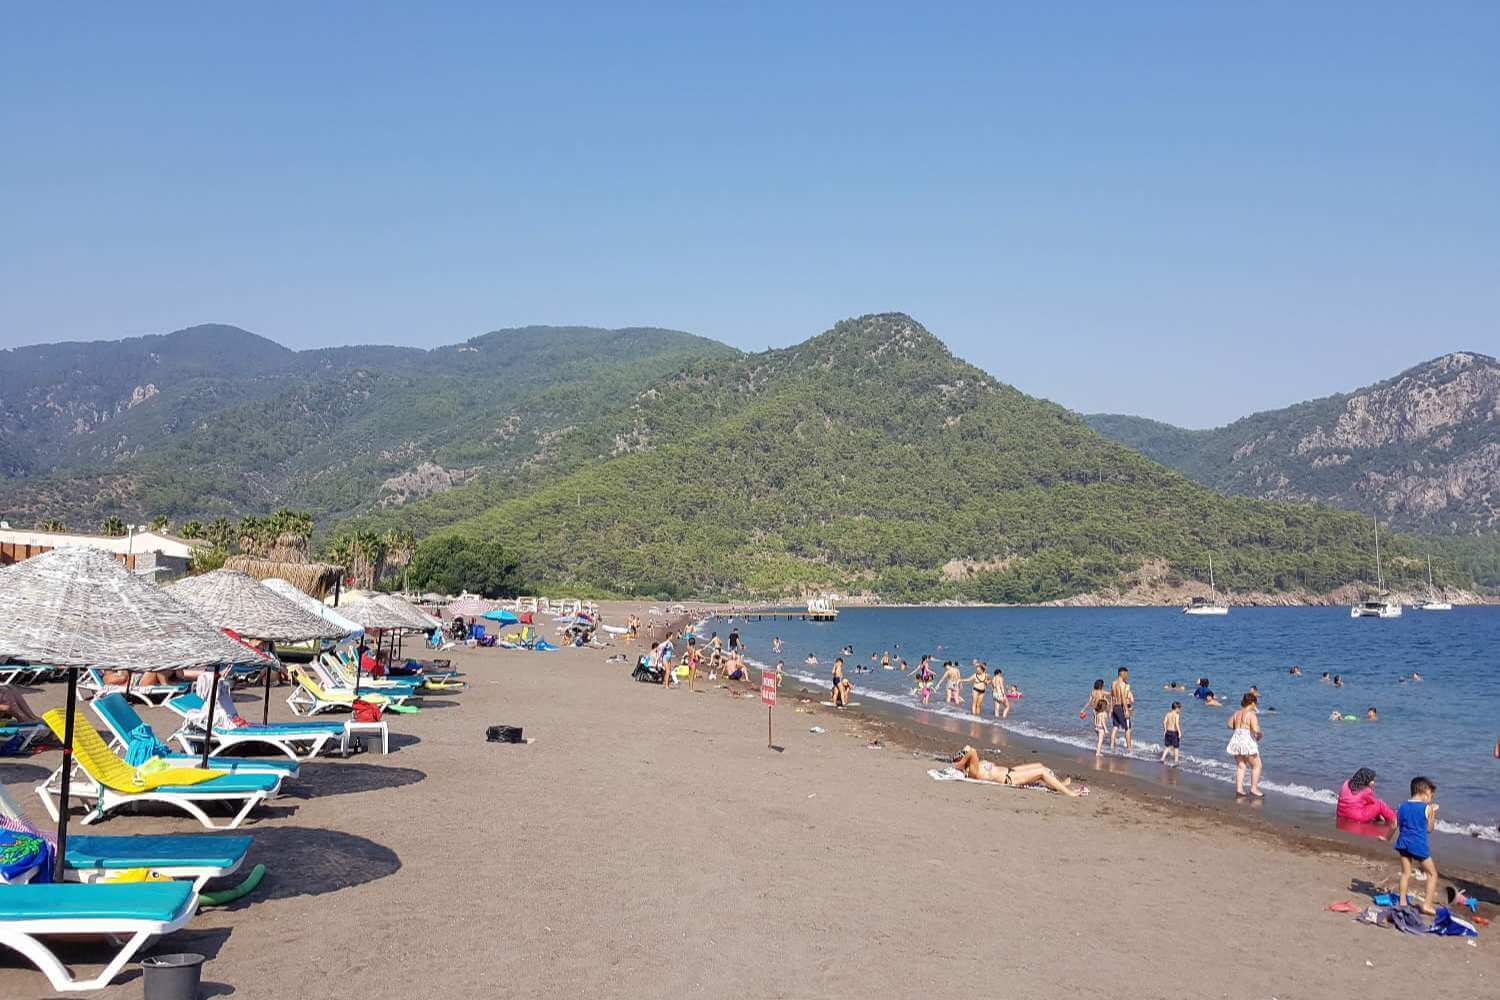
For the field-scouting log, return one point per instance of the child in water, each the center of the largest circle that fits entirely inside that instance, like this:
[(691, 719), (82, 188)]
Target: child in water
[(1414, 821), (1101, 724), (1171, 734)]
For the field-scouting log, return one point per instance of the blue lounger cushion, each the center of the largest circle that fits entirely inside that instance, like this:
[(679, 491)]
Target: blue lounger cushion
[(152, 851), (228, 783), (156, 901), (234, 765)]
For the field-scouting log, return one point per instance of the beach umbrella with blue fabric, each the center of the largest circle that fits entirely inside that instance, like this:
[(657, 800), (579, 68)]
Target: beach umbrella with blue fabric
[(502, 616), (77, 608)]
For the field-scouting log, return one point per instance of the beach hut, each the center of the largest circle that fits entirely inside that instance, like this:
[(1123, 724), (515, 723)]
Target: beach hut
[(234, 600), (76, 608), (312, 578)]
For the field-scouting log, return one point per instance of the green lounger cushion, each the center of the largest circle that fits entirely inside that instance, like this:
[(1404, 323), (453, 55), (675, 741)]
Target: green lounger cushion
[(148, 851), (156, 901), (234, 765)]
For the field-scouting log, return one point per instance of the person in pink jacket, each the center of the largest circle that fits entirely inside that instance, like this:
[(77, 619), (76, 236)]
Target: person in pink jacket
[(1357, 801)]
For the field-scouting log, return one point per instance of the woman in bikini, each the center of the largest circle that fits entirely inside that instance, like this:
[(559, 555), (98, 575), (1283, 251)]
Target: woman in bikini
[(1002, 696), (13, 706), (1244, 745), (979, 680), (972, 766)]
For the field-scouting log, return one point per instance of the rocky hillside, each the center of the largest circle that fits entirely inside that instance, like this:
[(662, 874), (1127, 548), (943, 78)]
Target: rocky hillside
[(1421, 450), (870, 460)]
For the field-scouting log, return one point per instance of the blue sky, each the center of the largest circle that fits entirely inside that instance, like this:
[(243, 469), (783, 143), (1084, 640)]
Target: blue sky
[(1188, 211)]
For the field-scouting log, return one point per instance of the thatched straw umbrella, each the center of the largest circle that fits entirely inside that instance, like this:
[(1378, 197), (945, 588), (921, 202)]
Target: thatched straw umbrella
[(373, 613), (77, 608), (235, 600), (316, 579), (471, 607)]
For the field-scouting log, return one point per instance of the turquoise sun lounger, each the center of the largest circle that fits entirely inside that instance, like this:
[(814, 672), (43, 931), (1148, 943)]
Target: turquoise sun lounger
[(120, 719), (298, 740), (136, 913)]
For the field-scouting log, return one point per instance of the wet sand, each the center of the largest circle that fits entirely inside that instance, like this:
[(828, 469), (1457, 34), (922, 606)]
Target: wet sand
[(650, 844)]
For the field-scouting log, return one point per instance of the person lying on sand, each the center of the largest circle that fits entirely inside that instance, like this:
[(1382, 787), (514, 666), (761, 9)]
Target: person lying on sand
[(13, 706), (972, 766)]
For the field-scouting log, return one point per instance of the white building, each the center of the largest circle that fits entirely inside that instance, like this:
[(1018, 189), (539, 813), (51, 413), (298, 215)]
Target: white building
[(141, 551)]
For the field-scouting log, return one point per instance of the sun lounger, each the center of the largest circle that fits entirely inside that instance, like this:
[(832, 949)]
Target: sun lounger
[(112, 783), (129, 914), (154, 695), (22, 734), (120, 720), (298, 740), (344, 676), (310, 695), (92, 858)]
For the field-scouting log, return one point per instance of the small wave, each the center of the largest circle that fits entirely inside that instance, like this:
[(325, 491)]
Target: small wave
[(1489, 833)]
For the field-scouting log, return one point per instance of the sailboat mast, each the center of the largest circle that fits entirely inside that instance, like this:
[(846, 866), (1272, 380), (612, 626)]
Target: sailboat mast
[(1211, 585), (1379, 576)]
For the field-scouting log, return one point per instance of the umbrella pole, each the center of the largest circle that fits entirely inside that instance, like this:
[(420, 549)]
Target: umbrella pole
[(67, 774), (265, 706), (359, 662), (213, 706)]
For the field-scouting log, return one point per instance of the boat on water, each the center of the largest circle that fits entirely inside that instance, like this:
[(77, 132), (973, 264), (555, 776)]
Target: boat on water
[(1204, 606), (1380, 606), (1432, 603)]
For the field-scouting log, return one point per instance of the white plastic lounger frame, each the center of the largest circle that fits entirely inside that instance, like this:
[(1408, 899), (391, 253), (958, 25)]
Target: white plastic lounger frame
[(25, 936), (298, 746), (28, 733), (106, 800)]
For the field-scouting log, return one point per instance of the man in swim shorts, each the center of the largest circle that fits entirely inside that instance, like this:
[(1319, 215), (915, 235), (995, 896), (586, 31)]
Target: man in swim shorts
[(1121, 708)]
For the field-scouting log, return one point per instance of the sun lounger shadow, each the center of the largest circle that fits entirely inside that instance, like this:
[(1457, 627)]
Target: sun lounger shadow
[(307, 861), (438, 703), (401, 741), (22, 774), (349, 778)]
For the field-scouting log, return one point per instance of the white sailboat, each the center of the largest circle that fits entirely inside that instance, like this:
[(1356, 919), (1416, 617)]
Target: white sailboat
[(1202, 605), (1432, 603), (1378, 607)]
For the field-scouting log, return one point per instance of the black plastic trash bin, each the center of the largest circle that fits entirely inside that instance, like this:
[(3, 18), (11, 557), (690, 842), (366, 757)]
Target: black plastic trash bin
[(172, 977)]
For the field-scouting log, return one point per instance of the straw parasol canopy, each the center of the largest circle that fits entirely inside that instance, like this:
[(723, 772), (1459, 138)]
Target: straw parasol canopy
[(77, 607), (372, 613), (313, 606), (235, 600), (471, 607), (420, 619)]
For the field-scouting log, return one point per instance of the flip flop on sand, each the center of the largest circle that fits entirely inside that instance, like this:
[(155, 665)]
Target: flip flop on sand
[(1344, 906)]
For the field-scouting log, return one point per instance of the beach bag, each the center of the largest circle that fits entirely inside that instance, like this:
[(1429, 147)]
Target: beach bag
[(365, 711), (503, 734)]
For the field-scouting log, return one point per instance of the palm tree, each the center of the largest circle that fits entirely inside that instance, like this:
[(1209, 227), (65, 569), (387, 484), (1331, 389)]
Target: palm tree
[(191, 530), (400, 544), (112, 526), (52, 524), (219, 532), (159, 523)]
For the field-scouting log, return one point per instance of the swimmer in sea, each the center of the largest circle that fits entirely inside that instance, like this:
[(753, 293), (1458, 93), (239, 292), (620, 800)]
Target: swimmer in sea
[(1370, 715), (1338, 681), (1295, 671), (1173, 686), (1325, 678), (812, 659), (924, 681), (885, 660), (973, 767)]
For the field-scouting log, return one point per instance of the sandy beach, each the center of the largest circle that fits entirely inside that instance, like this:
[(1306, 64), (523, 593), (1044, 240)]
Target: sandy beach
[(648, 843)]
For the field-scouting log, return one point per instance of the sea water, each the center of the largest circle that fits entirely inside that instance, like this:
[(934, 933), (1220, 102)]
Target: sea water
[(1444, 726)]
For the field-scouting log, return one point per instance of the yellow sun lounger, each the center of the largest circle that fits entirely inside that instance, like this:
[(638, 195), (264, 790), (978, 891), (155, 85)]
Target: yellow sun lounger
[(112, 783)]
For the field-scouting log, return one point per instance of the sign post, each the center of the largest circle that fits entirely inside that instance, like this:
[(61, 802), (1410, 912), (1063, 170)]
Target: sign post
[(768, 698)]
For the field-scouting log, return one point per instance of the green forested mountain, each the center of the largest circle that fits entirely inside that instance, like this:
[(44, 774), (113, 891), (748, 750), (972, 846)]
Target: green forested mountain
[(870, 459), (1420, 450), (215, 420)]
